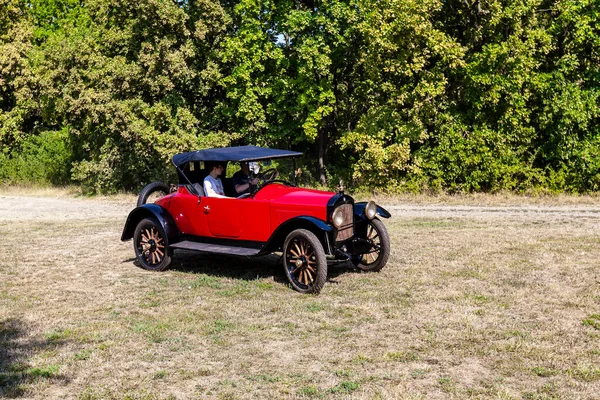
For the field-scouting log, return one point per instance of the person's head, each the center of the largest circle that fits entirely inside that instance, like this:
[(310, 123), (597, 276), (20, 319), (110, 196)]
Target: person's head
[(244, 167), (215, 167)]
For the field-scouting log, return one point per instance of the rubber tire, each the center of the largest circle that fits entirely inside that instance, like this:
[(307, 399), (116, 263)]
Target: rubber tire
[(384, 255), (321, 277), (146, 224), (150, 189)]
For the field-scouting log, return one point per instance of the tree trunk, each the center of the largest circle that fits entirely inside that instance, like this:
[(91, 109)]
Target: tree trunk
[(322, 154)]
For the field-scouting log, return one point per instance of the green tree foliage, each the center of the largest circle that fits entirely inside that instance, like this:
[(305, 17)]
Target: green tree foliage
[(456, 95)]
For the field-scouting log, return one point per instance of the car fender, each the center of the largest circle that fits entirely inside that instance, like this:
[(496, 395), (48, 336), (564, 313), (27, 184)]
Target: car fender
[(359, 211), (151, 211), (320, 228)]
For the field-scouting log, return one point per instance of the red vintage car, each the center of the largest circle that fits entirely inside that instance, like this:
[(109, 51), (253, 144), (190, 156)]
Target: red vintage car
[(310, 227)]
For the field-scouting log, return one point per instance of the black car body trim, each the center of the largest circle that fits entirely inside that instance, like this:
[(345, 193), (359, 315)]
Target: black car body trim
[(151, 211), (320, 228)]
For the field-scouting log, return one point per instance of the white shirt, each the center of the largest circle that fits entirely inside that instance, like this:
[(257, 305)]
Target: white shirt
[(213, 187)]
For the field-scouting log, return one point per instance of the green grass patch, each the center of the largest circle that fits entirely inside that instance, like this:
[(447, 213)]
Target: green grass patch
[(586, 373), (59, 335), (345, 387), (402, 356), (217, 328), (343, 373), (154, 331), (593, 321), (150, 300), (202, 281), (309, 391), (418, 373), (49, 371), (265, 378), (446, 384), (361, 359), (160, 374), (82, 355), (544, 372), (314, 307)]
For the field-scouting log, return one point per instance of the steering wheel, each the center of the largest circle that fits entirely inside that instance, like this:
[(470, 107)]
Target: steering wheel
[(268, 175)]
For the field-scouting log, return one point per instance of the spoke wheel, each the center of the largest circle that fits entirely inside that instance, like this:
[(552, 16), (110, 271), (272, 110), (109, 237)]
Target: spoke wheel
[(304, 261), (376, 258), (151, 246)]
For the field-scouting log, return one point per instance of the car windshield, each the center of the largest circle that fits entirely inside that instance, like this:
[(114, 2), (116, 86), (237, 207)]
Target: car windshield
[(284, 168)]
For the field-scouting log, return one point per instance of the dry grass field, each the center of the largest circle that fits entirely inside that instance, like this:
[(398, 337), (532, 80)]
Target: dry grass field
[(483, 298)]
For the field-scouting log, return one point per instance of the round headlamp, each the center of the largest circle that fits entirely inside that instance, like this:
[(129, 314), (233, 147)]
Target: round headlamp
[(371, 209), (337, 217)]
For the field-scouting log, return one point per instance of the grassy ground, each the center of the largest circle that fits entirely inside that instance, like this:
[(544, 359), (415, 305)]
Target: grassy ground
[(502, 305)]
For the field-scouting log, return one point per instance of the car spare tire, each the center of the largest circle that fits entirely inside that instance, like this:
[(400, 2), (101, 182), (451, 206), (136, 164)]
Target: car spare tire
[(152, 192)]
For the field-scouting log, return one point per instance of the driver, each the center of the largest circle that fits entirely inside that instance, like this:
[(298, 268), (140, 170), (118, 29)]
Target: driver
[(242, 181)]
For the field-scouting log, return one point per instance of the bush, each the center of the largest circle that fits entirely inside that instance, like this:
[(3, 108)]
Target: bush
[(41, 159)]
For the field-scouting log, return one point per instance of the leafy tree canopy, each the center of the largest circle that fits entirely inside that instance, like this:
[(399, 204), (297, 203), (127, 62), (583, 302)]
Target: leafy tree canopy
[(455, 95)]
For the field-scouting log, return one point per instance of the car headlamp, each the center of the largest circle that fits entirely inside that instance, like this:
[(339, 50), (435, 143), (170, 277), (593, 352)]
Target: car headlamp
[(371, 209), (337, 217)]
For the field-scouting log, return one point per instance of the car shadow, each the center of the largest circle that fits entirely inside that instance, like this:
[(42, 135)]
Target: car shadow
[(244, 268), (15, 351)]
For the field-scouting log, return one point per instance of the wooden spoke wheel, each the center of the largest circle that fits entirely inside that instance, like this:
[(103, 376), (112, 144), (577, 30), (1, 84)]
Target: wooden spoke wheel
[(376, 258), (304, 261), (151, 246)]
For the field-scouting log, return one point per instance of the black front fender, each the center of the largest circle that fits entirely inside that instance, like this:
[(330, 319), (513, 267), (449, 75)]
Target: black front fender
[(359, 211), (320, 228), (151, 211)]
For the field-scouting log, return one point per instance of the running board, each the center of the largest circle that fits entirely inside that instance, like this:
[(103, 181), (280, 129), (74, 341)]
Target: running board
[(215, 248)]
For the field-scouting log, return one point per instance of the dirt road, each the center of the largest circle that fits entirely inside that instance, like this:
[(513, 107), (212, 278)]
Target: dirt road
[(22, 208)]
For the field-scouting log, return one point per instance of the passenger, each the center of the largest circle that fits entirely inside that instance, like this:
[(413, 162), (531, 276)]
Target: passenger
[(213, 187), (241, 179)]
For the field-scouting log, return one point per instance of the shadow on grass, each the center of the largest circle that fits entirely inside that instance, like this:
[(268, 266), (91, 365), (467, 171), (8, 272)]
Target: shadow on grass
[(15, 350), (243, 268)]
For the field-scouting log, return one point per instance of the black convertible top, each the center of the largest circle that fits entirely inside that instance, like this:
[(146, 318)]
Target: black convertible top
[(239, 153)]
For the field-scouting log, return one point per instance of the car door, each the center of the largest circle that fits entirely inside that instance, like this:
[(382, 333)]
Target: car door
[(223, 216), (256, 219), (188, 212)]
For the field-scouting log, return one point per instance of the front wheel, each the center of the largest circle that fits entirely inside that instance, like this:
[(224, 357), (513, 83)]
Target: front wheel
[(304, 261), (378, 255), (151, 245)]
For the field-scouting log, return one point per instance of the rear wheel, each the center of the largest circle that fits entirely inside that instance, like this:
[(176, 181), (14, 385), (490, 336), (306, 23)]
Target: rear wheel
[(379, 253), (152, 192), (304, 261), (151, 245)]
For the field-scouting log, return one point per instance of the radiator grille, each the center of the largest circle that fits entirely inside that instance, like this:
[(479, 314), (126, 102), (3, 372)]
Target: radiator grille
[(346, 230)]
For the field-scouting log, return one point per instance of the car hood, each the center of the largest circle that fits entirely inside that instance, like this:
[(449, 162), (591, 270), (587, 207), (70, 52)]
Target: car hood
[(290, 195)]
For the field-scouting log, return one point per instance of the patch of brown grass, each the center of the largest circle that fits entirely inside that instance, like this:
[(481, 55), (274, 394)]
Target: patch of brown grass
[(503, 305)]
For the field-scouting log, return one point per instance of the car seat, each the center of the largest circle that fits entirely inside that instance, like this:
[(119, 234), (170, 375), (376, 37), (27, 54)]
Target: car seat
[(199, 189)]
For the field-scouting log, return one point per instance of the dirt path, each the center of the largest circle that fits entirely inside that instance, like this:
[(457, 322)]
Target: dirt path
[(23, 208), (529, 211)]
